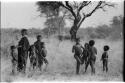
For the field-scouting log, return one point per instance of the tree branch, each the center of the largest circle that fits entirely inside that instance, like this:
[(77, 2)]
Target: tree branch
[(84, 3), (70, 9), (100, 5)]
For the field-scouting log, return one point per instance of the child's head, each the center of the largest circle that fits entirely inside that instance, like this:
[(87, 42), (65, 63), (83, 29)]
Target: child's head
[(106, 48), (24, 32), (86, 45), (39, 37), (12, 48), (91, 42), (78, 40)]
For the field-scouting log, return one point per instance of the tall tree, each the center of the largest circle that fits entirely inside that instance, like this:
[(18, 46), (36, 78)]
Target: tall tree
[(75, 11)]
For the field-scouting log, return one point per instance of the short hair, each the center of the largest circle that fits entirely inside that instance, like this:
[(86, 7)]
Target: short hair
[(12, 47), (38, 36), (24, 31), (86, 44), (106, 48), (91, 42)]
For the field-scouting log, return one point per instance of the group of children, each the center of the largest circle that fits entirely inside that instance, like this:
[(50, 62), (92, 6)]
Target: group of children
[(37, 54), (87, 55)]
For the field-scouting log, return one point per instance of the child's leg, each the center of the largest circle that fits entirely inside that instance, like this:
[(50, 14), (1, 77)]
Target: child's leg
[(103, 65), (46, 64), (13, 67), (77, 67), (106, 66), (40, 65), (92, 64), (86, 65)]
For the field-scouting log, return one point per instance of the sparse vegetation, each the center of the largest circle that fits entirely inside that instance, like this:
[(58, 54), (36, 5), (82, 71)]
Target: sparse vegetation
[(60, 57)]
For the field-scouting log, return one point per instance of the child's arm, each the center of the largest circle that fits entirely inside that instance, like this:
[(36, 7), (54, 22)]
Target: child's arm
[(101, 57), (96, 51), (73, 49)]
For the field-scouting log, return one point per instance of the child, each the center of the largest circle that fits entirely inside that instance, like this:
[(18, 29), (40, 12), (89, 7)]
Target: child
[(14, 58), (104, 58), (92, 56), (23, 47), (32, 57), (78, 50), (39, 52), (86, 52), (44, 53)]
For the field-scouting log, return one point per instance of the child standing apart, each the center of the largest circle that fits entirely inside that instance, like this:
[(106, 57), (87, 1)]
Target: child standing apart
[(104, 58)]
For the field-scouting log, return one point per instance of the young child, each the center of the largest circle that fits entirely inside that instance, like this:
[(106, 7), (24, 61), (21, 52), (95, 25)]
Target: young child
[(39, 46), (14, 58), (44, 53), (32, 57), (92, 56), (86, 53), (104, 58), (78, 50)]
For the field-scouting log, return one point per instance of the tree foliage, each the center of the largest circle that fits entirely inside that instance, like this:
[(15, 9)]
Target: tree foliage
[(74, 10)]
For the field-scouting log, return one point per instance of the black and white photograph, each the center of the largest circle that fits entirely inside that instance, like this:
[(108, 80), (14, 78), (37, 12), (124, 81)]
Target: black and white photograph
[(64, 41)]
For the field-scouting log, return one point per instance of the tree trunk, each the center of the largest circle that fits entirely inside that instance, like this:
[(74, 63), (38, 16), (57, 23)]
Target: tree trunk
[(73, 33), (74, 29)]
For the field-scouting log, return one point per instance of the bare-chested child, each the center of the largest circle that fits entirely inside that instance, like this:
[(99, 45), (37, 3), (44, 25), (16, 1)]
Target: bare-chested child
[(86, 53), (92, 56), (39, 46), (78, 50), (14, 59), (104, 58)]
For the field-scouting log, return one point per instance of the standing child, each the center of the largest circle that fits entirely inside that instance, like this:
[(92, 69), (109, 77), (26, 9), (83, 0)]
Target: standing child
[(104, 58), (86, 52), (92, 56), (23, 47), (14, 58), (32, 57), (44, 54), (78, 50), (39, 51)]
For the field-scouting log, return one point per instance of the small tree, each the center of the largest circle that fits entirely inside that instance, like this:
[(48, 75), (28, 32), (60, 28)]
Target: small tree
[(75, 11)]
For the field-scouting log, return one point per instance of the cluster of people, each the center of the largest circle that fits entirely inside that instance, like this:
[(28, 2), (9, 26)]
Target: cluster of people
[(87, 55), (37, 54)]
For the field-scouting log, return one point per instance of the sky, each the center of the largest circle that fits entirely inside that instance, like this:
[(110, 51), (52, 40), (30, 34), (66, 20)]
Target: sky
[(25, 15)]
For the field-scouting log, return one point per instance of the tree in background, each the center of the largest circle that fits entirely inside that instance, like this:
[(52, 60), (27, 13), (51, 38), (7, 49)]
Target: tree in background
[(54, 25), (117, 27), (74, 10)]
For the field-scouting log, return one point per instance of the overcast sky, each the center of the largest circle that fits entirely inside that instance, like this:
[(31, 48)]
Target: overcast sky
[(25, 15)]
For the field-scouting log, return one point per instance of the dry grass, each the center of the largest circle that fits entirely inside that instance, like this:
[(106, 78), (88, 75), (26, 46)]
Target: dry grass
[(62, 63)]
